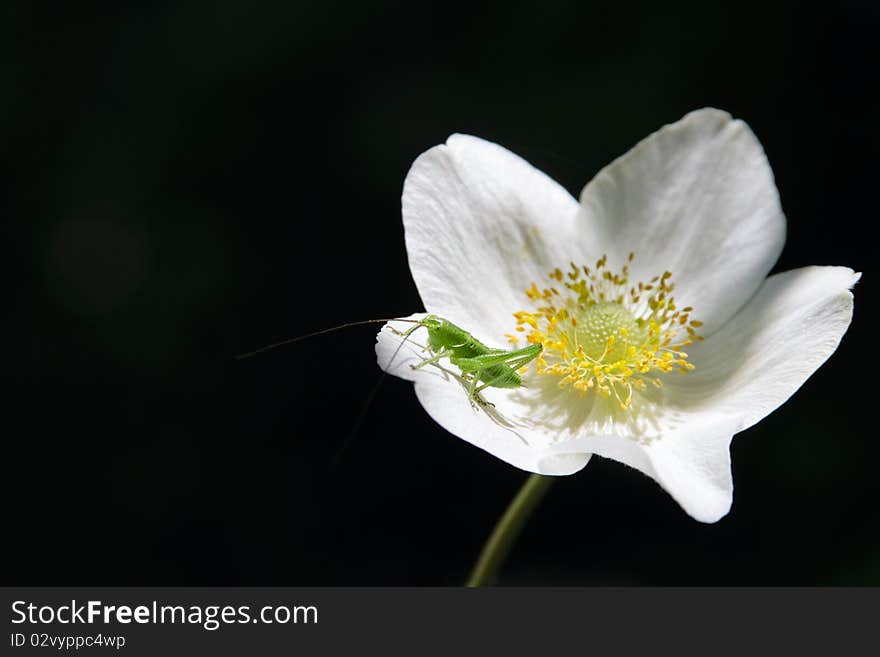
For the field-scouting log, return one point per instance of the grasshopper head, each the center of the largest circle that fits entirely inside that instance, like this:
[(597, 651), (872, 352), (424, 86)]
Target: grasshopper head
[(431, 322)]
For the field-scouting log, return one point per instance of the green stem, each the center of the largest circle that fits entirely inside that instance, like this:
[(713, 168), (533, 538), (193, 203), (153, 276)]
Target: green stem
[(507, 530)]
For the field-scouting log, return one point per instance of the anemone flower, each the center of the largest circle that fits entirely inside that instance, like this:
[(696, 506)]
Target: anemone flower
[(662, 335)]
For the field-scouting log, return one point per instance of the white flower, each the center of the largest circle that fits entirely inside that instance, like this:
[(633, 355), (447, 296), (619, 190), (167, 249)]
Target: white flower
[(654, 377)]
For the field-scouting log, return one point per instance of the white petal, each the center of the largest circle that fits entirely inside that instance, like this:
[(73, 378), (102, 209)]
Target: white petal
[(767, 351), (744, 371), (481, 224), (696, 198), (445, 399), (690, 461), (448, 406)]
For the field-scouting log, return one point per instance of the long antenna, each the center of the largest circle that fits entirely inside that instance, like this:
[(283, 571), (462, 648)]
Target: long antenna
[(349, 438), (321, 332), (372, 395)]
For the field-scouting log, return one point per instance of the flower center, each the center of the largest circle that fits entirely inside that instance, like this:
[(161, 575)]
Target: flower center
[(606, 330), (604, 335)]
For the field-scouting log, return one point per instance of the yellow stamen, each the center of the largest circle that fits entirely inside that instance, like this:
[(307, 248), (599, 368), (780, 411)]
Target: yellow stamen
[(604, 335)]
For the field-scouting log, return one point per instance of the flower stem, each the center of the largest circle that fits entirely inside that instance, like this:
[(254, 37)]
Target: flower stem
[(507, 530)]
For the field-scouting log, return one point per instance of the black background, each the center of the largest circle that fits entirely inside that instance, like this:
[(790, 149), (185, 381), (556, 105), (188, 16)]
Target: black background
[(188, 181)]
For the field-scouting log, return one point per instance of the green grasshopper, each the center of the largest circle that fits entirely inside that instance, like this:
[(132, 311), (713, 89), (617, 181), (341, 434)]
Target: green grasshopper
[(481, 367)]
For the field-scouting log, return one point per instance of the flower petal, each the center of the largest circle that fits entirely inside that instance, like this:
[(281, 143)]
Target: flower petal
[(691, 461), (744, 371), (696, 198), (767, 351), (445, 397), (481, 224)]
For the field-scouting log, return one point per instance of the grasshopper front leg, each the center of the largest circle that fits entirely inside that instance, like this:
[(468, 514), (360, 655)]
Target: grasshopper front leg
[(434, 359)]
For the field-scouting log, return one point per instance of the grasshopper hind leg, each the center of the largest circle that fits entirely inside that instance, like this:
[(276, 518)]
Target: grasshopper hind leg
[(478, 400)]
